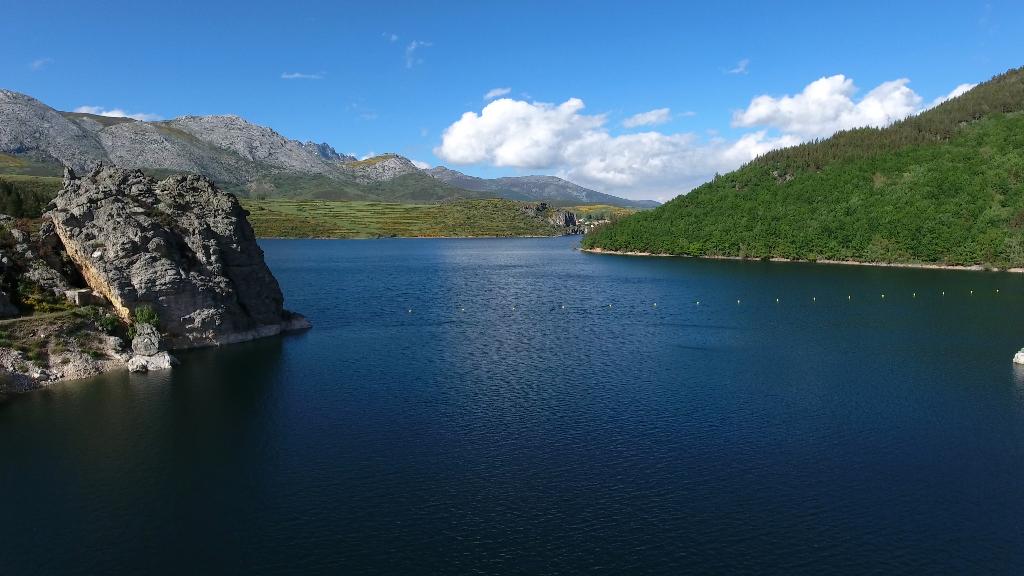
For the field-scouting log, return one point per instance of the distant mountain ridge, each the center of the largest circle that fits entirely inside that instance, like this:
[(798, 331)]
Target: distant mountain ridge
[(247, 158), (534, 188)]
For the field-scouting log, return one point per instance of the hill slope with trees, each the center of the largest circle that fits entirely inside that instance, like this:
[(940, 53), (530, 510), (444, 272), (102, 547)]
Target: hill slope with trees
[(943, 187)]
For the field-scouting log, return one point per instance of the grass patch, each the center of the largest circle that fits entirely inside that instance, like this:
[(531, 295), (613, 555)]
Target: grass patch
[(332, 219)]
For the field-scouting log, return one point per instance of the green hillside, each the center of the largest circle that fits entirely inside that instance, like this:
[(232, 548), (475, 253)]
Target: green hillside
[(333, 219), (944, 187)]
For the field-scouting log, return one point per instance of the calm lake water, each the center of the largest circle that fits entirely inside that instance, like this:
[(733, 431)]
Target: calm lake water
[(515, 406)]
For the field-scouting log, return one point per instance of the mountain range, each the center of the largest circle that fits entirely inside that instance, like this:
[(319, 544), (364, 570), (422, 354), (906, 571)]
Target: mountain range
[(248, 159)]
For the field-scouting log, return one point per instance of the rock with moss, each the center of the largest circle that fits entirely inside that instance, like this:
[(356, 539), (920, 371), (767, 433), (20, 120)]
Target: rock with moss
[(179, 247)]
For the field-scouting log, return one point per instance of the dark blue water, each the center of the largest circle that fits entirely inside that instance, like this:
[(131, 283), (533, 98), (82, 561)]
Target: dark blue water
[(491, 430)]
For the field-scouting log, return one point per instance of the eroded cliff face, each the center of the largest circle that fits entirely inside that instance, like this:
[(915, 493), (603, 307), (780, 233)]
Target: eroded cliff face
[(179, 246)]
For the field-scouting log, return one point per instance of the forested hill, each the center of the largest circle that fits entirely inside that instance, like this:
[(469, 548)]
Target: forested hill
[(945, 186)]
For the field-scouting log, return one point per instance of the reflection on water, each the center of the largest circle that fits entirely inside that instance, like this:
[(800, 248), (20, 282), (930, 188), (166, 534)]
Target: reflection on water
[(515, 422)]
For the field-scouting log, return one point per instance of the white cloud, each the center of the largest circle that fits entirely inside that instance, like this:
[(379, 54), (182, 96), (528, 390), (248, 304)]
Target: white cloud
[(741, 67), (958, 91), (410, 52), (302, 76), (40, 63), (116, 113), (651, 118), (390, 36), (496, 93), (517, 133), (827, 105), (581, 147), (419, 164)]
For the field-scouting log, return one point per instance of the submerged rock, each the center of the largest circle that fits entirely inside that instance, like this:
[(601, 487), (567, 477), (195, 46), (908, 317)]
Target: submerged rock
[(151, 363), (180, 247)]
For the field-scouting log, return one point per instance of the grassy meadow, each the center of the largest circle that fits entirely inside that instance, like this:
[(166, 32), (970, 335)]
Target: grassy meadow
[(337, 219)]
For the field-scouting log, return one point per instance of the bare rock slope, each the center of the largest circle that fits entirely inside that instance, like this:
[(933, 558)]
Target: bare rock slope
[(179, 246)]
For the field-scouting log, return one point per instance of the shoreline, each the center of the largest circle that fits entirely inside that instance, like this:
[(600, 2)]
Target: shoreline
[(919, 266), (408, 237)]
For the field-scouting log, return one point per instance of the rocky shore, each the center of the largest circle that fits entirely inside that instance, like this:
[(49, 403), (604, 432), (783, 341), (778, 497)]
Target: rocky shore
[(922, 265), (123, 269)]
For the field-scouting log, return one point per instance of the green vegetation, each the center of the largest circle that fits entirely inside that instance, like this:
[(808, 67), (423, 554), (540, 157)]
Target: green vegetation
[(30, 298), (329, 219), (145, 314), (26, 196), (588, 212), (944, 187), (26, 166)]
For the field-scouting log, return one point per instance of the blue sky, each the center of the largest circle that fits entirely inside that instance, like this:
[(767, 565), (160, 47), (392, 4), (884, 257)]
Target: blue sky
[(394, 76)]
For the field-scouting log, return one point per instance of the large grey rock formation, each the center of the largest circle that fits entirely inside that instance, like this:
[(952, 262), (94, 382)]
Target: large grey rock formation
[(179, 246)]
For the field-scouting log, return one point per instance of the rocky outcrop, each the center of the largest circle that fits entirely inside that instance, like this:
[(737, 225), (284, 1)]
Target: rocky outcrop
[(563, 219), (327, 152), (381, 168), (179, 247), (567, 220), (152, 363), (1018, 358)]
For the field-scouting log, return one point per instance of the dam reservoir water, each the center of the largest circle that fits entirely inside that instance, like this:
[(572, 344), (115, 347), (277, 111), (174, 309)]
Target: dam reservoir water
[(516, 406)]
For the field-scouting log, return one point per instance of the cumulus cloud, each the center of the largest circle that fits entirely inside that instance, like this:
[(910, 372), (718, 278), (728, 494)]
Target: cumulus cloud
[(496, 93), (40, 63), (581, 147), (411, 59), (419, 164), (827, 105), (741, 67), (302, 76), (116, 113), (517, 133), (651, 118)]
